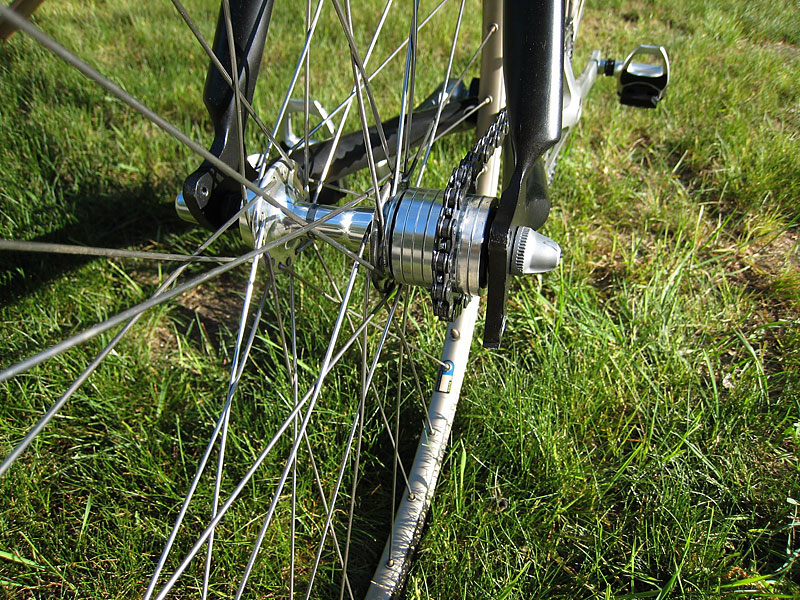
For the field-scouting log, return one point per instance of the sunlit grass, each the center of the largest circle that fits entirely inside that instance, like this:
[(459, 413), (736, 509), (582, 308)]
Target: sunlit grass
[(636, 437)]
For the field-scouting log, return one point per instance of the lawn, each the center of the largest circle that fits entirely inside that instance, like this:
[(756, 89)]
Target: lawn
[(638, 435)]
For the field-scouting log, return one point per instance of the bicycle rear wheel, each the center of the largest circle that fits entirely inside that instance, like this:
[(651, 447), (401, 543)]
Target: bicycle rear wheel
[(302, 446)]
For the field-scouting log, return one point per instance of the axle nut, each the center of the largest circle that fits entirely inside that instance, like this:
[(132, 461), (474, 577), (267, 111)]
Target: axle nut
[(533, 253)]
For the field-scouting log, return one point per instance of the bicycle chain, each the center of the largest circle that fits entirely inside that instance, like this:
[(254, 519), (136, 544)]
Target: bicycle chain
[(447, 302)]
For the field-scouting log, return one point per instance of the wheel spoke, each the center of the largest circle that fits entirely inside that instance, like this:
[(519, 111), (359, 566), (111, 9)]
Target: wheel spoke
[(302, 434), (356, 421), (332, 502), (577, 23), (295, 399), (492, 30), (360, 437), (156, 119), (81, 379), (293, 455), (398, 335), (59, 404), (442, 95), (355, 61), (95, 330), (346, 22), (295, 76), (317, 478), (316, 448), (306, 100), (392, 438), (237, 367), (292, 369), (77, 250), (429, 139), (463, 118), (201, 465), (374, 74), (407, 350), (408, 347), (406, 100), (206, 455), (311, 399)]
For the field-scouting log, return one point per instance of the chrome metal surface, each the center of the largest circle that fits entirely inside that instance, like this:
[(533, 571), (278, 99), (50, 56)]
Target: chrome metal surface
[(410, 228), (347, 227), (411, 233), (183, 210), (469, 243), (642, 69), (282, 185), (264, 221), (533, 253)]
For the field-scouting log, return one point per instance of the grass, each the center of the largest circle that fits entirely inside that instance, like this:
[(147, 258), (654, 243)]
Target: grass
[(638, 435)]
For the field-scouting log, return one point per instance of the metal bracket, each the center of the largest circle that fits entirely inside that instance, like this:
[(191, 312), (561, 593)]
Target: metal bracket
[(533, 54), (209, 196)]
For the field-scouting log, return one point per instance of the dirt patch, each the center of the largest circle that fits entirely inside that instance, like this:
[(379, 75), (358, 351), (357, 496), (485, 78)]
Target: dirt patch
[(777, 254), (772, 270), (219, 302), (206, 314), (781, 48)]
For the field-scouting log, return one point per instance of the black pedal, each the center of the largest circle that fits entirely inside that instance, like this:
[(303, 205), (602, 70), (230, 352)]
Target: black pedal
[(642, 82)]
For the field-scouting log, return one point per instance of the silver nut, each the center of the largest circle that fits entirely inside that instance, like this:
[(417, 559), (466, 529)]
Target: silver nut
[(533, 253)]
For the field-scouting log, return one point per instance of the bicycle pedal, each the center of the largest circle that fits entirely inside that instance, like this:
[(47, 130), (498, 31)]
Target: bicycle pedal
[(641, 83)]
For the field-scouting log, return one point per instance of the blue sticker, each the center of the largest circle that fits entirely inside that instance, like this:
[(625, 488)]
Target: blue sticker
[(446, 377)]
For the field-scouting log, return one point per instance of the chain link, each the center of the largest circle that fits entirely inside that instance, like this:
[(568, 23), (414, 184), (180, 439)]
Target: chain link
[(447, 301)]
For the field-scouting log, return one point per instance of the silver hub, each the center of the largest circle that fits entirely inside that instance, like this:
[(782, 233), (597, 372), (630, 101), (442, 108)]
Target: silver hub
[(412, 240), (264, 221)]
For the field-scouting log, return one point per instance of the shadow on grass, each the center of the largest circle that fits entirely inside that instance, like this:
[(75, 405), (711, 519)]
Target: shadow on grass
[(126, 218)]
